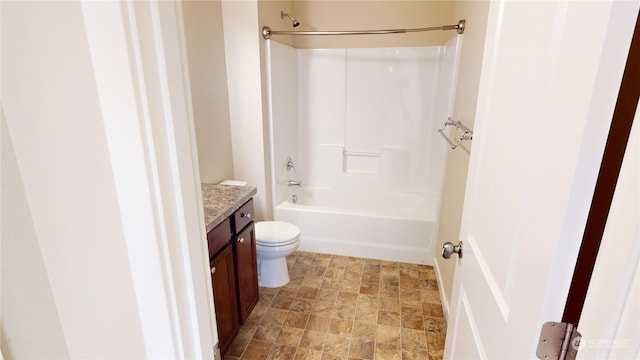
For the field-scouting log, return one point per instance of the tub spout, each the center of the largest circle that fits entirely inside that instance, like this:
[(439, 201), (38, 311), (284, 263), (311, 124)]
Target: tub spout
[(294, 183)]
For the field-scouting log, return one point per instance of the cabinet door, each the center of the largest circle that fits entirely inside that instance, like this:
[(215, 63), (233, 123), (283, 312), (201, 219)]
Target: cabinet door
[(247, 271), (224, 296)]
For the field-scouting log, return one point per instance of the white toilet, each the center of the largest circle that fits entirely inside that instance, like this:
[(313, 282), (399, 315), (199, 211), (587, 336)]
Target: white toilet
[(274, 241)]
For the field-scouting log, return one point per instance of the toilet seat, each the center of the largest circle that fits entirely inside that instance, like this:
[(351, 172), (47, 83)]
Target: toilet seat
[(276, 233)]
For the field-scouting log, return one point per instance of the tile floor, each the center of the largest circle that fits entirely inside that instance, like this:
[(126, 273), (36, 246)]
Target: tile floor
[(338, 307)]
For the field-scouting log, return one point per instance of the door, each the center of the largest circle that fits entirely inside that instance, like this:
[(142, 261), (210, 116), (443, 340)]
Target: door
[(247, 271), (223, 281), (547, 83)]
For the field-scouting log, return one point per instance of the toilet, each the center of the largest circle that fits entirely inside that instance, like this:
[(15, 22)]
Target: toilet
[(274, 241)]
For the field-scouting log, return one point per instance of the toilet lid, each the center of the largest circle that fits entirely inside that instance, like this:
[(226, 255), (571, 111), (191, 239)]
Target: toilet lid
[(272, 233)]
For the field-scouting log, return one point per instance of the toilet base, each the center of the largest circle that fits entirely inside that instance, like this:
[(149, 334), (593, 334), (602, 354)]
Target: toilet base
[(273, 272)]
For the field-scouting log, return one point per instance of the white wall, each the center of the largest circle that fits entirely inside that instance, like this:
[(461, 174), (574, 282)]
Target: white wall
[(366, 119), (28, 308), (69, 217), (100, 148), (283, 79), (610, 318)]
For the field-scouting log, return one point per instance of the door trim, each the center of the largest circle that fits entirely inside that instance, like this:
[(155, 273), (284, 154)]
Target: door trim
[(614, 150)]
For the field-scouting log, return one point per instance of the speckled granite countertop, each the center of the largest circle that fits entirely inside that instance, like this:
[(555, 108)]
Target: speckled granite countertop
[(220, 201)]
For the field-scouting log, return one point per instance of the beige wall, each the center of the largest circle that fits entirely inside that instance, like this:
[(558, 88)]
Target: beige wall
[(248, 124), (208, 79), (372, 15), (475, 14), (269, 15)]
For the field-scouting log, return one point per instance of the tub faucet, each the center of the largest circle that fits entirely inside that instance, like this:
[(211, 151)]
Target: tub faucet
[(294, 183)]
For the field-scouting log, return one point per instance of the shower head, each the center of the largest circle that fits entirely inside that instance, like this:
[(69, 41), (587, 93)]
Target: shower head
[(295, 22)]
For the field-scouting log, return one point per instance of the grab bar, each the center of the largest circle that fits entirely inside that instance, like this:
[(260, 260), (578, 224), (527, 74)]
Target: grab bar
[(467, 134)]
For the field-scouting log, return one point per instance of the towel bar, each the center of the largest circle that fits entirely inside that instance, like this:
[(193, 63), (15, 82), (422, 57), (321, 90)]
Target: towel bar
[(467, 134)]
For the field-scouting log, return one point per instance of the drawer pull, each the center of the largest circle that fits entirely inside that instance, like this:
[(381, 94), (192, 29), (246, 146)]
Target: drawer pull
[(213, 270), (241, 240), (247, 215)]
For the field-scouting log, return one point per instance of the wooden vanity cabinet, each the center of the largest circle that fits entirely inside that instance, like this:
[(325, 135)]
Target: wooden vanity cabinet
[(234, 272), (223, 281), (246, 271)]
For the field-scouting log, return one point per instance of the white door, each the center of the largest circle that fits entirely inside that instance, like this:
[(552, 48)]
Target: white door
[(550, 78)]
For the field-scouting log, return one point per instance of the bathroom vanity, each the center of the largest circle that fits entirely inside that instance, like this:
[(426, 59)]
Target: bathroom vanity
[(232, 254)]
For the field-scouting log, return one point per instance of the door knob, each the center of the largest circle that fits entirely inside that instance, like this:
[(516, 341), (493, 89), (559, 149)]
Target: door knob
[(448, 249)]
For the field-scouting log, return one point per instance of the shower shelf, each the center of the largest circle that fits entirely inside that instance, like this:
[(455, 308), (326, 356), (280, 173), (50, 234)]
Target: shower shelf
[(467, 134)]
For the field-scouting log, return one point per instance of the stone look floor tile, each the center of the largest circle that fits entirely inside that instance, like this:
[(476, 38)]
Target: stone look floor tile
[(347, 298), (323, 308), (364, 331), (290, 336), (308, 354), (388, 352), (329, 295), (279, 352), (296, 320), (388, 334), (412, 321), (432, 310), (409, 353), (435, 325), (274, 317), (257, 350), (435, 341), (413, 339), (366, 313), (302, 305), (362, 349), (352, 286), (306, 292), (337, 345), (340, 327), (389, 304), (343, 311), (267, 332), (390, 291), (318, 323), (313, 340), (389, 318), (290, 292), (344, 308)]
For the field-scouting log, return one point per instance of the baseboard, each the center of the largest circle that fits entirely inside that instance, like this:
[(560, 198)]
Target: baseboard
[(443, 298)]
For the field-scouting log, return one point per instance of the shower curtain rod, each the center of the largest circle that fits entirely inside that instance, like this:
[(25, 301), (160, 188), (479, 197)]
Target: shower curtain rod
[(267, 32)]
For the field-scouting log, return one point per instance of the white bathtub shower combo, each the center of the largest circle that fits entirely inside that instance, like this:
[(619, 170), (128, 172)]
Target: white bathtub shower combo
[(358, 162)]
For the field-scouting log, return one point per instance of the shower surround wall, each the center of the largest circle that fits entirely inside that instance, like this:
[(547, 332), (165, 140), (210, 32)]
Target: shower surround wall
[(360, 125)]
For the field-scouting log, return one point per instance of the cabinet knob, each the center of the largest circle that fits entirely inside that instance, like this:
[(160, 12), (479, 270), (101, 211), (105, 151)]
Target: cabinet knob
[(247, 215), (213, 270), (241, 240)]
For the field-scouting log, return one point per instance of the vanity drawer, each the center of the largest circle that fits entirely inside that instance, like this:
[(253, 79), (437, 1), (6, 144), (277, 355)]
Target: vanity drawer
[(219, 237), (243, 216)]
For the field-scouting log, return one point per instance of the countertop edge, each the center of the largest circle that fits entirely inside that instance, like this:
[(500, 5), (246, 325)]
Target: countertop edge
[(221, 201)]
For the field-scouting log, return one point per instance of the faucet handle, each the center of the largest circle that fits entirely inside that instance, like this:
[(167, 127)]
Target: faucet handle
[(289, 165)]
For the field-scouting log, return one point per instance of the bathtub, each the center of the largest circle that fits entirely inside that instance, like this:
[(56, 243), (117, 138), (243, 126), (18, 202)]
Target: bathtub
[(392, 226)]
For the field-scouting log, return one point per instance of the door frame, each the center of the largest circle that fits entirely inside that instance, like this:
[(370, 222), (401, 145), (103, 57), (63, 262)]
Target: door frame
[(617, 140)]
